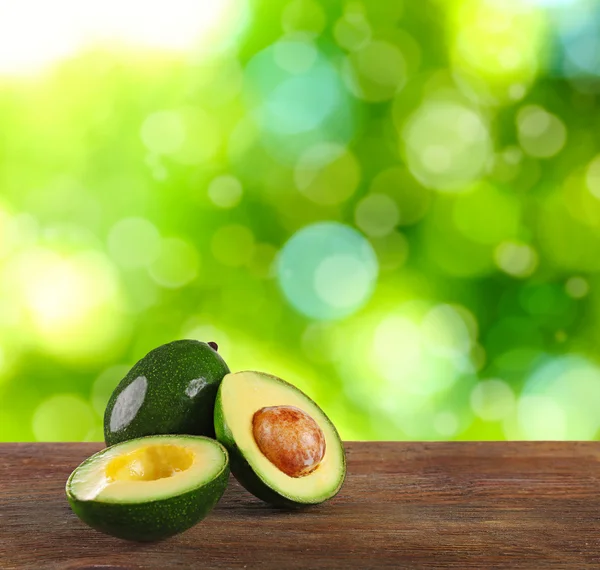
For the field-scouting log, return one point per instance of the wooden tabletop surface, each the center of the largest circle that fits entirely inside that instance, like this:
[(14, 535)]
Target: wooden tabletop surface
[(404, 505)]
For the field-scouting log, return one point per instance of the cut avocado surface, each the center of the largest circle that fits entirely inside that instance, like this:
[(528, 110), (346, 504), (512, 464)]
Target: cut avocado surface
[(149, 488), (282, 446), (171, 390)]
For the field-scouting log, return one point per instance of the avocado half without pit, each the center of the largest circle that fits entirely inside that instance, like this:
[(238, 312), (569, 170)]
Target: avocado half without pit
[(149, 488), (282, 446), (171, 390)]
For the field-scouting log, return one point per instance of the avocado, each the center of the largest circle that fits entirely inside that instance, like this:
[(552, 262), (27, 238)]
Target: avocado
[(149, 488), (282, 446), (171, 390)]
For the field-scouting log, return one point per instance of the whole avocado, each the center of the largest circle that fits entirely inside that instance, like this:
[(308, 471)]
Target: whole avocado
[(172, 390)]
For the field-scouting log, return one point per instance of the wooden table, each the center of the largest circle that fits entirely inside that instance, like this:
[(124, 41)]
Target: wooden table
[(404, 505)]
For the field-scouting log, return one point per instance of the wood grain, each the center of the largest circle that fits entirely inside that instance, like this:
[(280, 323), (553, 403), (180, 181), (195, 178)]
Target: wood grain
[(404, 505)]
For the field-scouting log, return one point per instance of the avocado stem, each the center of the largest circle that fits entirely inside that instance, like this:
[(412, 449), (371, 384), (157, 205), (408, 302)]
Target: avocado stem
[(213, 345)]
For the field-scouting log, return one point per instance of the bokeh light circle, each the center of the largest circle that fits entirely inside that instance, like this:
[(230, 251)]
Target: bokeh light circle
[(541, 134), (163, 132), (327, 173), (73, 303), (202, 136), (446, 423), (592, 177), (447, 331), (421, 349), (134, 242), (352, 31), (577, 287), (339, 269), (377, 215), (541, 418), (516, 259), (176, 265), (303, 16), (295, 102), (447, 145), (63, 417), (225, 191), (560, 400), (295, 55), (492, 400), (188, 135), (327, 270), (375, 72)]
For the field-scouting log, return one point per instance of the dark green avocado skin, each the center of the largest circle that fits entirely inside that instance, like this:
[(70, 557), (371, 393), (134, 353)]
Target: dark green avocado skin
[(244, 473), (154, 520), (172, 390)]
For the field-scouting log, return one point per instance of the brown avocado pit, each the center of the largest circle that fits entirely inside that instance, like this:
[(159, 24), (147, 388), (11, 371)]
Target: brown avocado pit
[(289, 438)]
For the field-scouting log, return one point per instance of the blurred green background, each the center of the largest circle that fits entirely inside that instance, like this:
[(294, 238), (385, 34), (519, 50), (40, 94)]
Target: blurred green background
[(394, 205)]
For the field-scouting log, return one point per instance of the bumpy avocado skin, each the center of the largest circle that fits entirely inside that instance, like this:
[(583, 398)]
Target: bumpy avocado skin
[(154, 520), (171, 390), (244, 473)]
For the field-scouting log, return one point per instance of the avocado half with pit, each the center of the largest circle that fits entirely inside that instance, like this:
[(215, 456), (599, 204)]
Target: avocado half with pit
[(149, 488), (171, 390), (282, 446)]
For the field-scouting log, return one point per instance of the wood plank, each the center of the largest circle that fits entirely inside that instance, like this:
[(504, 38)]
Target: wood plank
[(404, 505)]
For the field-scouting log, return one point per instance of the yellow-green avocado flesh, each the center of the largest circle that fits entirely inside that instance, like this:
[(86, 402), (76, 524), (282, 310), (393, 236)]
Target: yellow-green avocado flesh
[(149, 488), (239, 397)]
